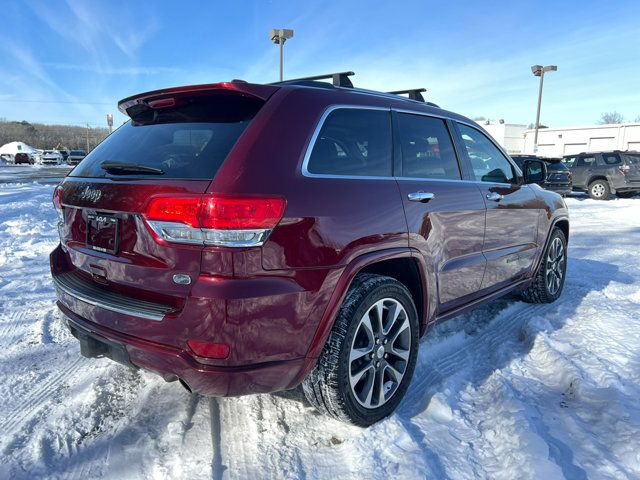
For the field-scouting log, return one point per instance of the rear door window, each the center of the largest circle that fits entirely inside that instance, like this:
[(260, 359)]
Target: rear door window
[(427, 149), (185, 142), (611, 159), (487, 161), (353, 142), (586, 161)]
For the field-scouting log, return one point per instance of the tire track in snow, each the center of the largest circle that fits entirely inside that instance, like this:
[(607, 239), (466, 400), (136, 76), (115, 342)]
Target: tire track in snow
[(217, 467), (29, 405), (503, 327)]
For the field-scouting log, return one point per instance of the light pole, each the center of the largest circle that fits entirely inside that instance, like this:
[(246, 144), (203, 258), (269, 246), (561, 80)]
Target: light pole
[(279, 36), (539, 71)]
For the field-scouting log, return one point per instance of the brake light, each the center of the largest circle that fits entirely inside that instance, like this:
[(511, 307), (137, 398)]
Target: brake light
[(624, 169), (184, 209), (223, 220)]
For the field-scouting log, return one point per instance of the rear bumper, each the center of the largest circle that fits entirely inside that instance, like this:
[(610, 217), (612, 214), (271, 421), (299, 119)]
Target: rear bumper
[(173, 364), (562, 189)]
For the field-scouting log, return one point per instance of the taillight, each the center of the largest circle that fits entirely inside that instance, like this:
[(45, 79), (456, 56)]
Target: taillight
[(222, 220), (624, 169), (57, 201)]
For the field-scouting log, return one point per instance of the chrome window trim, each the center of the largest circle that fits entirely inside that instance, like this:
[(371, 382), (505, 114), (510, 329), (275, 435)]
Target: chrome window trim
[(506, 156), (332, 108), (314, 137)]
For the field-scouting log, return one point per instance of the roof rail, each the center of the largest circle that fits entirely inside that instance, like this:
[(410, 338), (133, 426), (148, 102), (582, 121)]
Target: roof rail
[(339, 79), (414, 93)]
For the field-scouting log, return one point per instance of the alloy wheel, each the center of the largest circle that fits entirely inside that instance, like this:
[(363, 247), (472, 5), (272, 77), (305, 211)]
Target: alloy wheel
[(379, 353), (555, 266)]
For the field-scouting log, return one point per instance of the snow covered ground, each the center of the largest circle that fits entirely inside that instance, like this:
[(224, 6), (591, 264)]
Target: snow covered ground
[(510, 390)]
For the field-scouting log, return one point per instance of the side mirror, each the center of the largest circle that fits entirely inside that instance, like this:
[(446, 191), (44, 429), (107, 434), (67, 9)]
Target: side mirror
[(535, 171)]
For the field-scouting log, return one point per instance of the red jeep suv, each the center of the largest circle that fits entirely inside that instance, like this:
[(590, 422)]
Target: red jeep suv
[(246, 238)]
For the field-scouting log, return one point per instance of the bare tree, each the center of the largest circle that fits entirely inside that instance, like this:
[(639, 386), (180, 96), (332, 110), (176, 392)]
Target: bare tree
[(610, 117), (637, 120), (50, 136)]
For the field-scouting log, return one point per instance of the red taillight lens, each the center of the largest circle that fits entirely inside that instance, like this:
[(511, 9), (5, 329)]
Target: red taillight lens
[(183, 209), (241, 212), (218, 212), (57, 198), (209, 350)]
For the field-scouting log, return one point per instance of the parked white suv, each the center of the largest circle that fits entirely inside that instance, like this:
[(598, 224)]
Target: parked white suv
[(51, 157)]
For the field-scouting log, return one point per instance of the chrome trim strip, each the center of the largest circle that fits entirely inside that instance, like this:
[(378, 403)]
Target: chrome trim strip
[(332, 108), (314, 137), (157, 317)]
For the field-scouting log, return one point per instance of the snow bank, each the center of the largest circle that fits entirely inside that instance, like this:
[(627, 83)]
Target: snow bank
[(509, 390)]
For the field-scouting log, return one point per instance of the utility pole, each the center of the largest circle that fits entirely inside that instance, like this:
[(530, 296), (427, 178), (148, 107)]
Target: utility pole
[(87, 138), (279, 36), (110, 122), (539, 71)]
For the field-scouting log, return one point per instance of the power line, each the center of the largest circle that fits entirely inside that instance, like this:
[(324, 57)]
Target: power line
[(58, 102)]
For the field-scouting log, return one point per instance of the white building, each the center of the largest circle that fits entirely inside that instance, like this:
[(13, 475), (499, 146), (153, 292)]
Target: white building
[(556, 142), (509, 135)]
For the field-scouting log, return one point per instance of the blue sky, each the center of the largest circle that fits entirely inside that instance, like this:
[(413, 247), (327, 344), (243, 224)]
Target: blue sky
[(71, 61)]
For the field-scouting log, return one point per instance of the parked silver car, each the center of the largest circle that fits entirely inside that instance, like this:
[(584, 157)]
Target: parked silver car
[(75, 157)]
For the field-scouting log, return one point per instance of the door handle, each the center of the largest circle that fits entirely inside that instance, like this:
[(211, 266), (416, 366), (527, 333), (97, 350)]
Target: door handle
[(494, 197), (422, 197)]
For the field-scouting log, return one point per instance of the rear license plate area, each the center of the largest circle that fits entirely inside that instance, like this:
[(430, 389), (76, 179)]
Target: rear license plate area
[(103, 232)]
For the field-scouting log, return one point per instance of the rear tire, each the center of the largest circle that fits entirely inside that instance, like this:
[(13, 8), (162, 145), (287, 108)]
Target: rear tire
[(549, 281), (367, 363), (599, 190)]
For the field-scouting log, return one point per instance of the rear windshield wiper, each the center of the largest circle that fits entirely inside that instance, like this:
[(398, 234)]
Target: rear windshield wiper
[(123, 168)]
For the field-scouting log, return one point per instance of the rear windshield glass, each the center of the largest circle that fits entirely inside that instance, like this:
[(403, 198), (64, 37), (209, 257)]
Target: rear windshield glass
[(556, 166), (190, 141), (76, 152)]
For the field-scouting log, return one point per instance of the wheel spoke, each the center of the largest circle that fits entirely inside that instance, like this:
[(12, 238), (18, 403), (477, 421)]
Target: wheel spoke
[(368, 388), (397, 375), (358, 353), (392, 315), (400, 353), (355, 378), (378, 310), (379, 386), (365, 323), (394, 335)]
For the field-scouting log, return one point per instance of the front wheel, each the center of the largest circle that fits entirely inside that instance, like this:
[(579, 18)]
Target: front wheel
[(599, 190), (367, 363), (549, 281)]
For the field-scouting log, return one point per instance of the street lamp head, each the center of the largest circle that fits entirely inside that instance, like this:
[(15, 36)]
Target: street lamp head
[(536, 70), (278, 35)]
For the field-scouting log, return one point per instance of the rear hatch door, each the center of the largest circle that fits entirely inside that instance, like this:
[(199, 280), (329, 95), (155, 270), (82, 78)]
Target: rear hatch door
[(174, 144)]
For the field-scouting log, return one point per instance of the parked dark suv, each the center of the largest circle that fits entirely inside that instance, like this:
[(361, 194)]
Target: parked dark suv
[(246, 238), (558, 177), (602, 173)]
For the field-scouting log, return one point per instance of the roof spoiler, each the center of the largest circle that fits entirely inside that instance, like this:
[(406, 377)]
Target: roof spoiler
[(166, 97)]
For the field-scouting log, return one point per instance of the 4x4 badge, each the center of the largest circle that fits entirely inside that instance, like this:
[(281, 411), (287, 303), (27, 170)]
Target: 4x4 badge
[(90, 194)]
